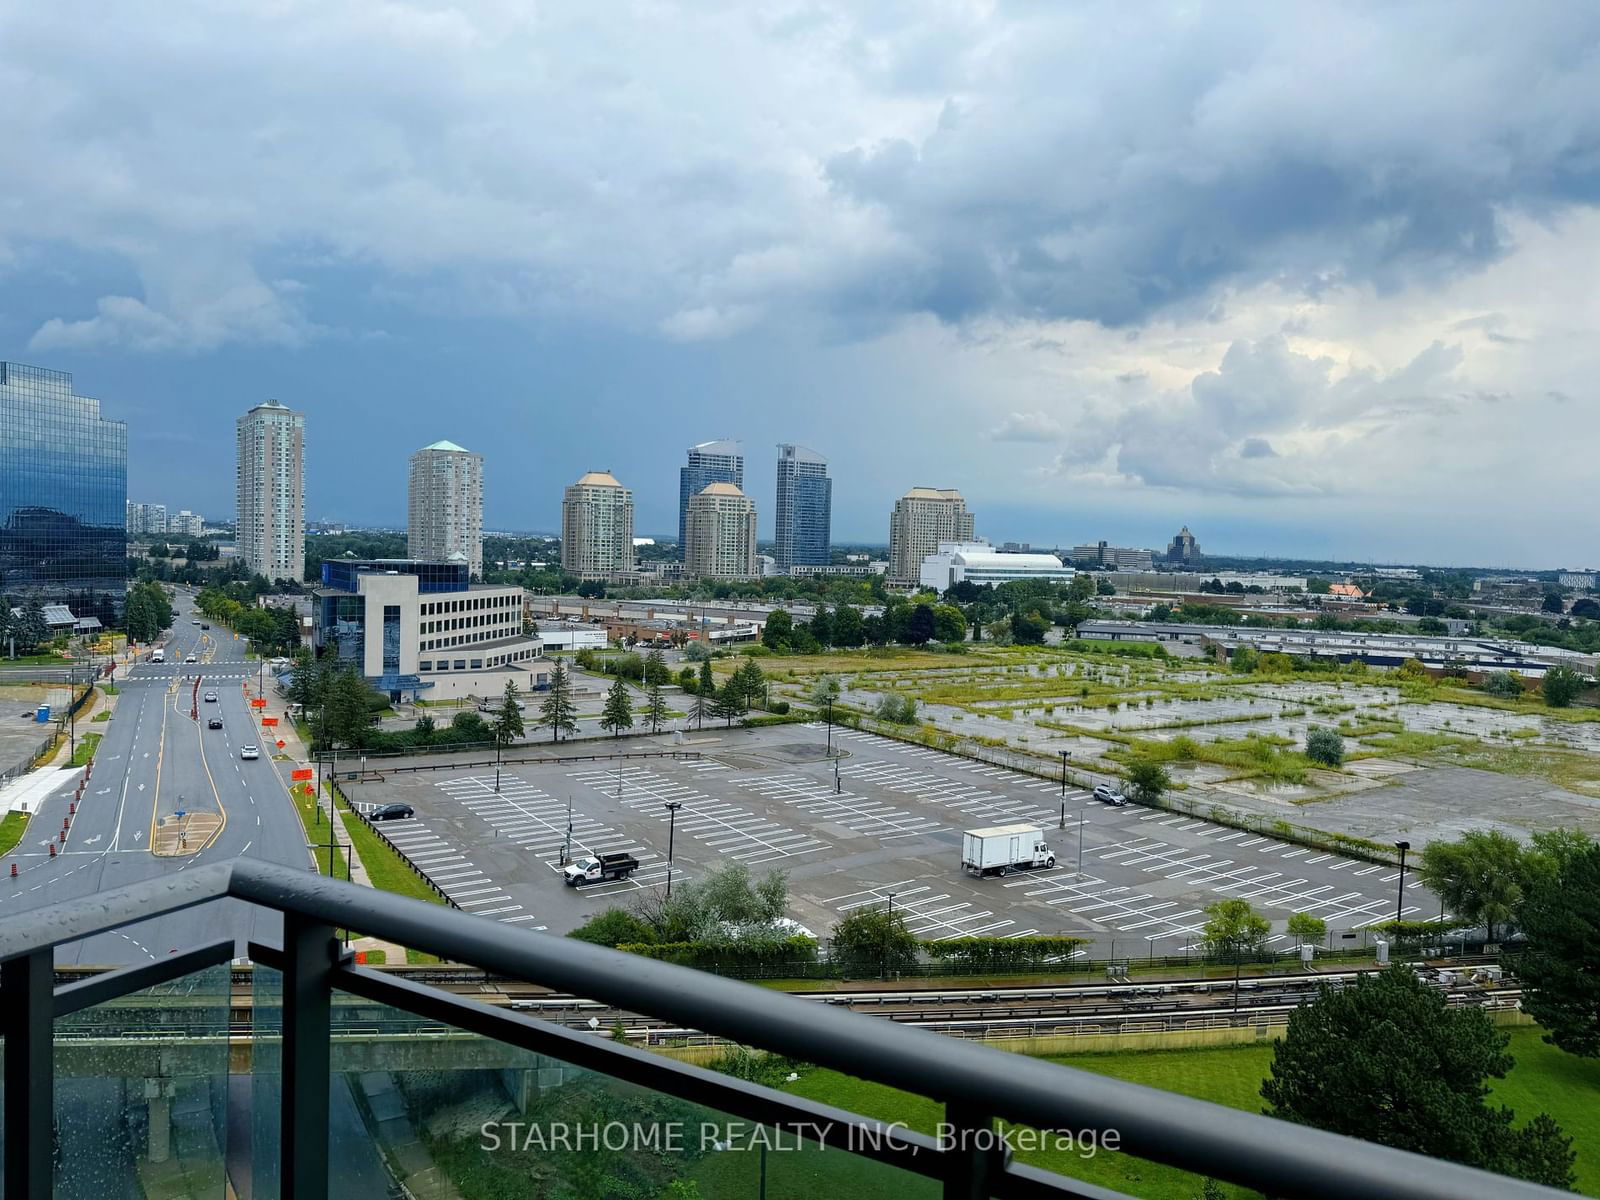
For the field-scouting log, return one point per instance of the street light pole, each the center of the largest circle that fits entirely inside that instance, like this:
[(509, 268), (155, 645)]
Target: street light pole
[(672, 829), (1064, 755), (1081, 824), (1400, 899), (830, 726)]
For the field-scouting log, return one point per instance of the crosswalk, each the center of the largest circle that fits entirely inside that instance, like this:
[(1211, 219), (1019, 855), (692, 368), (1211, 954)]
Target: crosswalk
[(727, 828), (448, 869)]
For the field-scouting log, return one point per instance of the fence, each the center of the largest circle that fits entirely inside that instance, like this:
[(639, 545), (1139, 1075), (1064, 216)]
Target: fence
[(26, 762), (338, 795)]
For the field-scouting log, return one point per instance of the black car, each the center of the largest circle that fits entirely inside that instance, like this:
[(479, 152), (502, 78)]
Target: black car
[(392, 812), (214, 723), (205, 627)]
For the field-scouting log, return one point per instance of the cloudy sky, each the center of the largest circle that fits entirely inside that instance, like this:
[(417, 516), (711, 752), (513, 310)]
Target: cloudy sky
[(1316, 279)]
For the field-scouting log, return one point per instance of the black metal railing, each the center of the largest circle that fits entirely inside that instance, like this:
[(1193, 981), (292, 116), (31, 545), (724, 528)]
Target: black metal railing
[(977, 1086)]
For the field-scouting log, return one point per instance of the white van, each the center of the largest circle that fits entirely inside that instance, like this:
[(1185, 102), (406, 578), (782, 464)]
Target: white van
[(158, 656)]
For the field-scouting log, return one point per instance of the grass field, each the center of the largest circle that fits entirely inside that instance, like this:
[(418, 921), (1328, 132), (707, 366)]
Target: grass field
[(385, 870), (14, 825), (1544, 1079), (85, 749)]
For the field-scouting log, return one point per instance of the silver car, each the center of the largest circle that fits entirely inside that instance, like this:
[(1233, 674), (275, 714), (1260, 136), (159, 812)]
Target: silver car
[(1110, 794)]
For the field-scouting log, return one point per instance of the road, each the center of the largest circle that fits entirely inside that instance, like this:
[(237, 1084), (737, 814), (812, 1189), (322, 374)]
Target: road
[(153, 763)]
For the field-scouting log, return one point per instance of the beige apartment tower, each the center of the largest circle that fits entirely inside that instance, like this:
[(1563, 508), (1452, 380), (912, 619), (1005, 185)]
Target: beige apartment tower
[(597, 527), (270, 496), (444, 506), (720, 534), (923, 518)]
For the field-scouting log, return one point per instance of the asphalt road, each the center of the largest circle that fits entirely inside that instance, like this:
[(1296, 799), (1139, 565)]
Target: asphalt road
[(155, 761)]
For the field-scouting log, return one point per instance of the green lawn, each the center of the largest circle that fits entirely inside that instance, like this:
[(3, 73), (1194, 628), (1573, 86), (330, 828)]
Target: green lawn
[(85, 749), (12, 828), (104, 715), (1544, 1079), (387, 871)]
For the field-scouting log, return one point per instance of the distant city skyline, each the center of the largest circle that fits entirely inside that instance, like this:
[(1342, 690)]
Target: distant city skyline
[(1105, 273)]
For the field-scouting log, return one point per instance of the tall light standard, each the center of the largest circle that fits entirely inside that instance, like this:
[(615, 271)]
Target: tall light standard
[(1400, 899), (672, 829), (1065, 754), (1082, 825), (830, 726), (566, 846)]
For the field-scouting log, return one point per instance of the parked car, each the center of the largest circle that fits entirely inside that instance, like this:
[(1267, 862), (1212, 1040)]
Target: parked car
[(1110, 794), (191, 659), (211, 697), (392, 812), (214, 723), (249, 752)]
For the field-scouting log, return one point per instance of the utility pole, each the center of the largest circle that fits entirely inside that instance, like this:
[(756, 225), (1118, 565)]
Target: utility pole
[(1400, 899), (1064, 755), (672, 828)]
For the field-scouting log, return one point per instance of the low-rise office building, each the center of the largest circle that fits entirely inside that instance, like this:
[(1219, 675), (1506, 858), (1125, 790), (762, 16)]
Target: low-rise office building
[(423, 630), (1117, 558), (980, 563)]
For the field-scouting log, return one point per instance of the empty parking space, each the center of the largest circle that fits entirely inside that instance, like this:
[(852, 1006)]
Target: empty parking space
[(876, 819)]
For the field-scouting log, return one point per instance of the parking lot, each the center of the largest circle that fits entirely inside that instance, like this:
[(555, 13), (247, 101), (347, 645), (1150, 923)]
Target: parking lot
[(879, 824)]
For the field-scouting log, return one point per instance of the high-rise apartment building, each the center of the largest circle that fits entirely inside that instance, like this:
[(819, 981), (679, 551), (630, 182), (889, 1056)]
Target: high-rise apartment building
[(709, 462), (804, 509), (923, 518), (444, 506), (597, 527), (270, 491), (63, 495), (720, 541), (144, 519)]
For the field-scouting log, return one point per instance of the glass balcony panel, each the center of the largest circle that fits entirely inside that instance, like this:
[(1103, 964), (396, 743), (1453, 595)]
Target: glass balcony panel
[(446, 1113), (141, 1094)]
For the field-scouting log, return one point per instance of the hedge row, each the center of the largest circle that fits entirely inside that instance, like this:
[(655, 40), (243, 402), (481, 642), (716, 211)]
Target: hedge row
[(981, 953), (708, 955)]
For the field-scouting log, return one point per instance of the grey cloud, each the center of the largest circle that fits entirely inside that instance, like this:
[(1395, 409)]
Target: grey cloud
[(1255, 447), (1027, 427)]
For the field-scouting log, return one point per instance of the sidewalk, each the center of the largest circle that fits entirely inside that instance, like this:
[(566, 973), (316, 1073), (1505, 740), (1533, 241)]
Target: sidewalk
[(295, 755)]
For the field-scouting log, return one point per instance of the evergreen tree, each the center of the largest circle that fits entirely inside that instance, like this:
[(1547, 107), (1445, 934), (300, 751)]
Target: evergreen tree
[(655, 707), (617, 714), (1388, 1060), (556, 711), (1562, 921), (347, 710), (31, 630), (705, 695), (726, 702), (655, 667), (507, 726)]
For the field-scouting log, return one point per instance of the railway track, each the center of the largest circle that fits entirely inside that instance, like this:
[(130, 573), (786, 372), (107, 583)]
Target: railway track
[(988, 1012)]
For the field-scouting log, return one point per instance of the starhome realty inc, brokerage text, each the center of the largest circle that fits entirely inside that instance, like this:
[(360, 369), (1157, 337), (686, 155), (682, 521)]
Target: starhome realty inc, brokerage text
[(679, 1137)]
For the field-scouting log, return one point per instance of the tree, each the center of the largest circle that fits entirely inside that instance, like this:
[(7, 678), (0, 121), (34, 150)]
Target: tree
[(873, 941), (824, 691), (557, 712), (655, 668), (847, 629), (1244, 660), (726, 704), (1028, 629), (949, 624), (1479, 877), (347, 709), (1553, 603), (1324, 745), (655, 708), (1505, 684), (1388, 1060), (468, 728), (1585, 607), (748, 684), (1561, 686), (704, 696), (614, 927), (423, 730), (1233, 931), (1146, 780), (507, 726), (1306, 927), (895, 708), (617, 714), (1561, 969), (30, 630), (778, 630)]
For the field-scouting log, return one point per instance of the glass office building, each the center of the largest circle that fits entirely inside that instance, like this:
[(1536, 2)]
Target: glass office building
[(804, 509), (63, 495), (709, 462)]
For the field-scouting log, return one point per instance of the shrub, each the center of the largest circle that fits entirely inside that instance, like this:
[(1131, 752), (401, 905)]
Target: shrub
[(1325, 746), (1503, 684), (895, 708)]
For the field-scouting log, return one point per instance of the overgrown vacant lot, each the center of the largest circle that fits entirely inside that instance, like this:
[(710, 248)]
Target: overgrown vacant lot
[(1108, 704)]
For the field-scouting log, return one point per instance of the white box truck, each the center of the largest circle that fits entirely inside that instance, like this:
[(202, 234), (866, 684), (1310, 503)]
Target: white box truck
[(1003, 849)]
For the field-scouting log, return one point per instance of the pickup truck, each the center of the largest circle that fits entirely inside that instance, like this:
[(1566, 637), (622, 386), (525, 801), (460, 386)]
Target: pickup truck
[(590, 869)]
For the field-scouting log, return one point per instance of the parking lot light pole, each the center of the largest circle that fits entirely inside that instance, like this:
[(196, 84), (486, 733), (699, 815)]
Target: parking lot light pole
[(830, 726), (1400, 899), (1082, 825), (672, 829), (1064, 756)]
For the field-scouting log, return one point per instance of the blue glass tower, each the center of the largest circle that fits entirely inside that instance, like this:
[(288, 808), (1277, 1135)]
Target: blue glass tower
[(63, 495), (709, 462), (804, 509)]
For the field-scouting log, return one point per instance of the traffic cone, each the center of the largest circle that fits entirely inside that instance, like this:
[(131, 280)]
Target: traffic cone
[(72, 808), (13, 870), (52, 850)]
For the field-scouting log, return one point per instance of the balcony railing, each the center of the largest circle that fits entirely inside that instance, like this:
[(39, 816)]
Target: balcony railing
[(295, 1138)]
